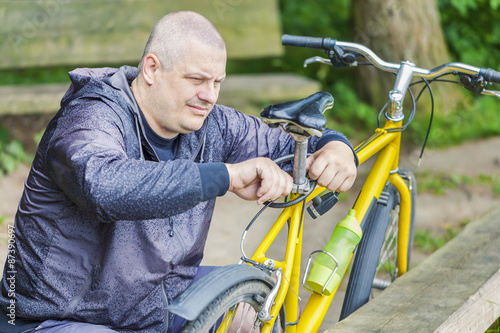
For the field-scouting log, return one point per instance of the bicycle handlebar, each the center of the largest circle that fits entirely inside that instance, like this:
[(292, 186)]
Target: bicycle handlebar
[(329, 44), (305, 41), (490, 75)]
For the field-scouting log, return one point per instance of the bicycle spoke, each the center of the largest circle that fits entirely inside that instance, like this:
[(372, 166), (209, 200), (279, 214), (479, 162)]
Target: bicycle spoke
[(242, 319), (388, 255), (239, 319)]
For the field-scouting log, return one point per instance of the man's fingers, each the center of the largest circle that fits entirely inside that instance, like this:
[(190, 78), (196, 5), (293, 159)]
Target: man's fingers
[(336, 180), (315, 167), (346, 184), (333, 167), (259, 179), (275, 184)]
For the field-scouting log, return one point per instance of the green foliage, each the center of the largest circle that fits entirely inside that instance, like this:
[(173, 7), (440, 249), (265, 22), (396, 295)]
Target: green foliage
[(479, 119), (472, 30), (11, 153), (495, 328), (27, 76), (323, 18), (491, 180), (439, 183), (349, 114), (320, 18), (427, 242), (37, 137)]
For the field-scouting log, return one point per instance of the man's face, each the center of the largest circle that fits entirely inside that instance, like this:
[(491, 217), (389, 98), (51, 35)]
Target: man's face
[(184, 96)]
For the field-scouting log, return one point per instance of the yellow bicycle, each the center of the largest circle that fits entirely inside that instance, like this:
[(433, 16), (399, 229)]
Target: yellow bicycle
[(260, 293)]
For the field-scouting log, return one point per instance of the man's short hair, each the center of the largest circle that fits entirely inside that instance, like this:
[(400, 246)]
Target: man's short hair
[(169, 36)]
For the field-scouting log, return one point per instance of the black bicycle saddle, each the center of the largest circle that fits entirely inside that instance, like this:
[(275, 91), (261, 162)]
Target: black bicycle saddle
[(305, 113)]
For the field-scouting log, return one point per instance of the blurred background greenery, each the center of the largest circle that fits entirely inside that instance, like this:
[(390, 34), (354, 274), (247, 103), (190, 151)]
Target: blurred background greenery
[(471, 35)]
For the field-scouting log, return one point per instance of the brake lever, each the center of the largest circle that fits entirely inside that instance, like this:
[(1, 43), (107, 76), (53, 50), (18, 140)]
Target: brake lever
[(474, 83), (317, 59), (491, 93), (325, 61)]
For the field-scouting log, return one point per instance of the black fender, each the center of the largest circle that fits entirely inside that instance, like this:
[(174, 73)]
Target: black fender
[(200, 294)]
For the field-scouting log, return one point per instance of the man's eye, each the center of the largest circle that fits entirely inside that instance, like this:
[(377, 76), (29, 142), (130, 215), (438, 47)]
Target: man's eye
[(196, 80)]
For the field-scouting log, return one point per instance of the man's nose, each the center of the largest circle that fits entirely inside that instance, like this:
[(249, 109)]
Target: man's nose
[(209, 93)]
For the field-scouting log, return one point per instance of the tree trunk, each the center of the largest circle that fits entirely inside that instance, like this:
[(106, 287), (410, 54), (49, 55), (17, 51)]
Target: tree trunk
[(398, 30)]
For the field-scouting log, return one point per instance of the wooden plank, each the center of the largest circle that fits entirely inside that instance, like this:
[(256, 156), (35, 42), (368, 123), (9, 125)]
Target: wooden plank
[(245, 92), (61, 32), (19, 100), (475, 314), (457, 289), (242, 92)]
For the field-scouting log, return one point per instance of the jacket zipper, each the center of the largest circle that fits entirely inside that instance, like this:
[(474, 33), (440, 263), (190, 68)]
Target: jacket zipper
[(94, 277), (201, 145), (172, 233), (138, 127), (171, 222), (141, 135), (165, 299), (89, 284)]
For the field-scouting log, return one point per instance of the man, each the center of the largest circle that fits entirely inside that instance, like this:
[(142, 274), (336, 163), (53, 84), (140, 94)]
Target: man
[(116, 209)]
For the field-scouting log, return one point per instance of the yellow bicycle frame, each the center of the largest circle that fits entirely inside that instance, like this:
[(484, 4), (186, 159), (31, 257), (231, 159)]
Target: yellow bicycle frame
[(387, 144)]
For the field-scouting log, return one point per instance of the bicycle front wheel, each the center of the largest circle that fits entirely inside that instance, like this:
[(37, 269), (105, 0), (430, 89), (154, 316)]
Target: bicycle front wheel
[(375, 265), (234, 310)]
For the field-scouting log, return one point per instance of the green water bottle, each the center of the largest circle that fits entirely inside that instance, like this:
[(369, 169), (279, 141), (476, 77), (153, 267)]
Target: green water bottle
[(345, 237)]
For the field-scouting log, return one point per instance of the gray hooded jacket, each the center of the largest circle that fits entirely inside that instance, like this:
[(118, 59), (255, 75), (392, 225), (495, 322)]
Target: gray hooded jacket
[(107, 234)]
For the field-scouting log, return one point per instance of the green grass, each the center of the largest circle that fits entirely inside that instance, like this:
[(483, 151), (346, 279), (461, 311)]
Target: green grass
[(426, 241), (439, 183), (27, 76), (12, 153), (495, 328), (478, 119), (38, 75)]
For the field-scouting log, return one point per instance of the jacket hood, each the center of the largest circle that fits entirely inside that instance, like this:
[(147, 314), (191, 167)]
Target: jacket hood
[(100, 82)]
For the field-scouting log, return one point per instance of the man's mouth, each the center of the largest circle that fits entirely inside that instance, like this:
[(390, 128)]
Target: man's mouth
[(199, 109)]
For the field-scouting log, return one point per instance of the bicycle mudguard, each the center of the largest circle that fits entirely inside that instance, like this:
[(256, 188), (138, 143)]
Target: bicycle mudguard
[(196, 297)]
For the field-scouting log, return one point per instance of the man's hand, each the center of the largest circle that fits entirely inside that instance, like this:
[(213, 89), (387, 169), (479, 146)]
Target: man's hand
[(259, 179), (333, 166)]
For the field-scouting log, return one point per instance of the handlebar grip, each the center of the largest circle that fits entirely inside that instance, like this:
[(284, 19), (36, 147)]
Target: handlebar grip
[(304, 41), (490, 75)]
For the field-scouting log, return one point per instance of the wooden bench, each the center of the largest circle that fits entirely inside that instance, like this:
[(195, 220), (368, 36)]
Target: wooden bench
[(456, 289), (45, 33)]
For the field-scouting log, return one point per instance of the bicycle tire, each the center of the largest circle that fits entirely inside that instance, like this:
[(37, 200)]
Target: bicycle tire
[(377, 245), (248, 294)]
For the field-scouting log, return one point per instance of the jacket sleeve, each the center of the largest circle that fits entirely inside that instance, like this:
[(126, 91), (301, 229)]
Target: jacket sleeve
[(248, 137), (86, 157)]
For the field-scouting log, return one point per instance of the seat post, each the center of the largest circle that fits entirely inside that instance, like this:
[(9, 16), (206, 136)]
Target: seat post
[(300, 181)]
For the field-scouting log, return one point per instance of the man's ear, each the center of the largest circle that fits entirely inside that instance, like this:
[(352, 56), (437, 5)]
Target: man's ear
[(151, 65)]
